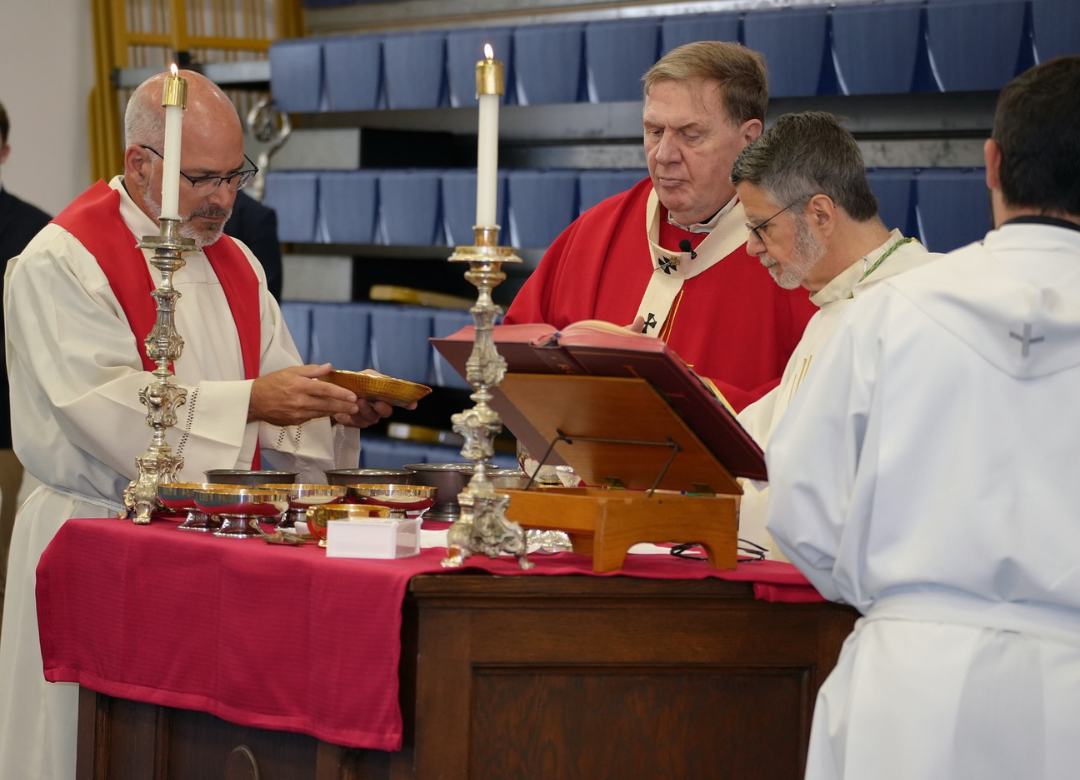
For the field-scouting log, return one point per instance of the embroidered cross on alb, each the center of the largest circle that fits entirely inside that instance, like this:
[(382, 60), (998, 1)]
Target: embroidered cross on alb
[(650, 322), (1026, 340), (667, 264)]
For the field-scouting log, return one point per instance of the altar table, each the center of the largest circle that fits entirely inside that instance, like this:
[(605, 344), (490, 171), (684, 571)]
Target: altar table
[(201, 656)]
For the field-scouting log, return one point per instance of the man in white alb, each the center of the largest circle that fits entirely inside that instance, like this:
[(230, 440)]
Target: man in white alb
[(78, 307), (926, 474), (813, 221)]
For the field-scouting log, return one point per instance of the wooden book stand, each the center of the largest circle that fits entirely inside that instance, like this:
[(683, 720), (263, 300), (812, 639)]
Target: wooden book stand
[(621, 433)]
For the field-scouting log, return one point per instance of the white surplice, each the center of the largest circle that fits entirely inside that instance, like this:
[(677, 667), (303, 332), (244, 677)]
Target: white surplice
[(761, 417), (926, 473), (78, 425)]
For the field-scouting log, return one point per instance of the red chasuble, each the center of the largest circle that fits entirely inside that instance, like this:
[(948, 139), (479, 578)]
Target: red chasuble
[(731, 323), (94, 219)]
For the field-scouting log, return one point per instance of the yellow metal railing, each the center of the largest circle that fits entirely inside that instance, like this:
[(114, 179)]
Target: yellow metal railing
[(155, 33)]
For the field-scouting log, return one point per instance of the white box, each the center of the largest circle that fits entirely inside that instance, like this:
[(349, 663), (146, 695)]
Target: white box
[(373, 537)]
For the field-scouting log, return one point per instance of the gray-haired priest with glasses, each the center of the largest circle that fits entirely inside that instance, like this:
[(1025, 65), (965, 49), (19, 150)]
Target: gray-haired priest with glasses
[(78, 307), (813, 222)]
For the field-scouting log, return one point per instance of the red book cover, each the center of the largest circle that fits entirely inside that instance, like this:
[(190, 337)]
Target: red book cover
[(602, 349)]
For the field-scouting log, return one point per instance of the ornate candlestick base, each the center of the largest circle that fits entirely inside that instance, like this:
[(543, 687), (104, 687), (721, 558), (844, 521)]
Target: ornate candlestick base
[(482, 526), (158, 466)]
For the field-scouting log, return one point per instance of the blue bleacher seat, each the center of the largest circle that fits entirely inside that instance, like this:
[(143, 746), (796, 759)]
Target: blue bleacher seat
[(597, 184), (866, 66), (296, 74), (617, 54), (409, 207), (297, 316), (399, 341), (445, 323), (1055, 28), (977, 44), (542, 204), (677, 30), (459, 205), (341, 334), (349, 205), (414, 66), (795, 44), (377, 452), (294, 195), (548, 63), (895, 191), (952, 207), (464, 48), (505, 460), (354, 72)]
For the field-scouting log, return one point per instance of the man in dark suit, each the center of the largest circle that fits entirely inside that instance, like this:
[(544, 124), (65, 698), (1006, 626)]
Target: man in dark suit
[(19, 222), (256, 225)]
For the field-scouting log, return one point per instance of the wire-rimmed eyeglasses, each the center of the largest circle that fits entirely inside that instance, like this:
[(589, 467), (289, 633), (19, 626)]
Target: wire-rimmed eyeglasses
[(234, 181), (755, 228)]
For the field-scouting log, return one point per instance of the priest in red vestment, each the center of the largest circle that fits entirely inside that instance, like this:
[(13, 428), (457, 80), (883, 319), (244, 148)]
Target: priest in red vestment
[(670, 253), (78, 308)]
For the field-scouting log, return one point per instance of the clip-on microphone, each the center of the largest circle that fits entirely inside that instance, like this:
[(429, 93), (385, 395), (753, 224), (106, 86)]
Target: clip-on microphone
[(684, 245)]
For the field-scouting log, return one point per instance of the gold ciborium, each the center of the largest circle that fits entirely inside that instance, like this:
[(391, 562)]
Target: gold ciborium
[(317, 517)]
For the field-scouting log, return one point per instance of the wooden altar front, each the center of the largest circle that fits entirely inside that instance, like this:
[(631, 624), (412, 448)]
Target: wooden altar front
[(534, 677)]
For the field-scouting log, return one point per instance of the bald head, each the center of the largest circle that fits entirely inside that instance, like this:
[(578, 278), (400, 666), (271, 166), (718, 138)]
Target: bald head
[(208, 110), (212, 145)]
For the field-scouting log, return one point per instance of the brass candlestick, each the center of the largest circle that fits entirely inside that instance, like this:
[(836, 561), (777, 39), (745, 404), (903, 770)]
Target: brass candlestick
[(482, 526), (158, 465)]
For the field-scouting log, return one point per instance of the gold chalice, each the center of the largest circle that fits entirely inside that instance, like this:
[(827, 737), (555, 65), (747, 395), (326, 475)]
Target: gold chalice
[(317, 517)]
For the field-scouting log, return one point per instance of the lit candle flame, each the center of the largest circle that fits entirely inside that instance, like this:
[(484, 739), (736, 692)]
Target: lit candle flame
[(173, 70), (489, 52)]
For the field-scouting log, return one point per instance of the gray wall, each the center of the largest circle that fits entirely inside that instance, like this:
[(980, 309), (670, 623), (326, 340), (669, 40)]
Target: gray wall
[(46, 74)]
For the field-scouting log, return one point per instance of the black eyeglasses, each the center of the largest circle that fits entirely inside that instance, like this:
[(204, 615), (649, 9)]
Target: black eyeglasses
[(234, 181), (755, 228)]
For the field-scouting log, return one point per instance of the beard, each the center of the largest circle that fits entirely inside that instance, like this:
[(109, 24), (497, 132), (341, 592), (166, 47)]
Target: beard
[(203, 237), (805, 254)]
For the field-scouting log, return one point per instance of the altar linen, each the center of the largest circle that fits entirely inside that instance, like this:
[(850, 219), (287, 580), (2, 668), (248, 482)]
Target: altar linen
[(339, 619), (926, 474)]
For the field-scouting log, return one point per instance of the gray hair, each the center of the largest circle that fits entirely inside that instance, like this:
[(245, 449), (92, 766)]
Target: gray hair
[(802, 155), (740, 72), (144, 119)]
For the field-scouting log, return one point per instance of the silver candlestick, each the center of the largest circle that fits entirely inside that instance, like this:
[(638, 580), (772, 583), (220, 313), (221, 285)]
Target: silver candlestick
[(482, 526), (158, 465)]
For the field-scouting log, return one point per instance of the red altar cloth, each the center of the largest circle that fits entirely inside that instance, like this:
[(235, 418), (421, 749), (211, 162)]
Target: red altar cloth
[(262, 635)]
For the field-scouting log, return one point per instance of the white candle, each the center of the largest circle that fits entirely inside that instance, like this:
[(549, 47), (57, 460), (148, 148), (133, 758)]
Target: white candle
[(173, 98), (489, 86)]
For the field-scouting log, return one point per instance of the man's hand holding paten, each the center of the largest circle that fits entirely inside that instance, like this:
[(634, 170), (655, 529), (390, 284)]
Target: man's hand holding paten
[(290, 397)]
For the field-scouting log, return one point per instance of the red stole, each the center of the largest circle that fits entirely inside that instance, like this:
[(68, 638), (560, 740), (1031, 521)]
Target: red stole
[(94, 219)]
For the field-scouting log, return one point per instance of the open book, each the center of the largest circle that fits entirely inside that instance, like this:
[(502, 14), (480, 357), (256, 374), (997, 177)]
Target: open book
[(601, 349)]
